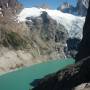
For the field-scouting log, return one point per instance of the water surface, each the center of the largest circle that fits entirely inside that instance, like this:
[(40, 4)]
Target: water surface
[(21, 79)]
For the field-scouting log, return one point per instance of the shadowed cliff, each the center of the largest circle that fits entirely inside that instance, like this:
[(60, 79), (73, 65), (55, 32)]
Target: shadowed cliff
[(84, 48)]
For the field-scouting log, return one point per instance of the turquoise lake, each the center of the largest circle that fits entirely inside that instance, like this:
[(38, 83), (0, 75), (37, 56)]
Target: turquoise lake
[(21, 79)]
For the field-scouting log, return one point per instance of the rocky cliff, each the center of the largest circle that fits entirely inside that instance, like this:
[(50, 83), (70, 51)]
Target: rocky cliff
[(49, 37), (84, 48)]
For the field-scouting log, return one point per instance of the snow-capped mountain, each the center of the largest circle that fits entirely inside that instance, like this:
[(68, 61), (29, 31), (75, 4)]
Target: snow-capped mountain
[(74, 24), (80, 9), (68, 8), (59, 29)]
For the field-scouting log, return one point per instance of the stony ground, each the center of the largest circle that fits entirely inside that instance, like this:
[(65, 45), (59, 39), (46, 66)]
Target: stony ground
[(11, 60)]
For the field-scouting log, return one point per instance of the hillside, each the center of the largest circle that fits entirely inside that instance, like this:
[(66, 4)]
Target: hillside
[(62, 29), (38, 35)]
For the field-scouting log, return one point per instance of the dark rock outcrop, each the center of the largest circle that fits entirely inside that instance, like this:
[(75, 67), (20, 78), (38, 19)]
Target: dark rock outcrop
[(84, 49), (72, 47)]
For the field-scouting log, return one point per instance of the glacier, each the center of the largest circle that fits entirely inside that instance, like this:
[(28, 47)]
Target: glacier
[(74, 24)]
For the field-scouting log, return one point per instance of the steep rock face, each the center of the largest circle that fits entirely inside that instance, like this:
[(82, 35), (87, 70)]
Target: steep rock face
[(47, 35), (84, 50), (73, 46)]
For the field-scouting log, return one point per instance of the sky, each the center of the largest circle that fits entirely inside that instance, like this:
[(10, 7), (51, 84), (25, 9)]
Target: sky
[(53, 3)]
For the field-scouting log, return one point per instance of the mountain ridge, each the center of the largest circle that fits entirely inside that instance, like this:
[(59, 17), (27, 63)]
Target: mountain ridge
[(63, 18), (80, 9)]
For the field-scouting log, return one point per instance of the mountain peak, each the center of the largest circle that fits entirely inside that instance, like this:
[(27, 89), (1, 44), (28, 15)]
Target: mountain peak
[(80, 9), (65, 19)]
